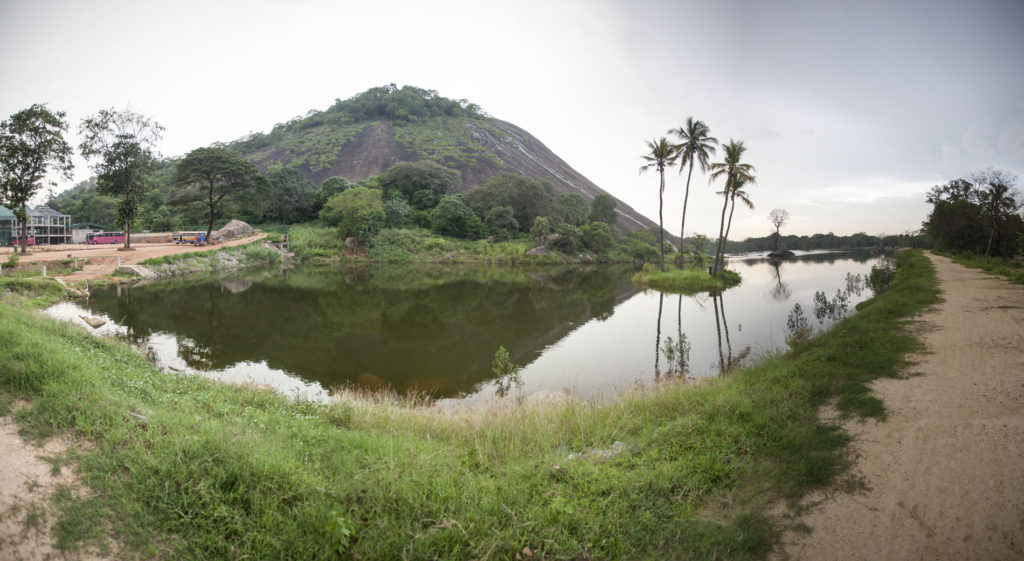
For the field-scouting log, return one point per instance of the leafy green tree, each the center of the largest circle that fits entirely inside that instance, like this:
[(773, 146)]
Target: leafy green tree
[(328, 188), (397, 212), (736, 173), (998, 200), (602, 209), (358, 212), (697, 145), (123, 144), (662, 155), (976, 215), (453, 217), (572, 209), (597, 237), (527, 197), (501, 218), (540, 228), (409, 177), (211, 176), (569, 238), (290, 196), (31, 146), (424, 199)]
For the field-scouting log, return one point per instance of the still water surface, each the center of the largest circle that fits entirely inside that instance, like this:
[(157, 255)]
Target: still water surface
[(436, 329)]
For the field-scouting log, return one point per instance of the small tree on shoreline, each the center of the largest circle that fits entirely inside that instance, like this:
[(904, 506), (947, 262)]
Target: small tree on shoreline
[(31, 145), (778, 217), (124, 143)]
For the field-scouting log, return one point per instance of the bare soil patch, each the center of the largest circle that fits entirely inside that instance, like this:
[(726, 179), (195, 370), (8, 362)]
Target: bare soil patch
[(944, 473), (103, 259), (26, 483)]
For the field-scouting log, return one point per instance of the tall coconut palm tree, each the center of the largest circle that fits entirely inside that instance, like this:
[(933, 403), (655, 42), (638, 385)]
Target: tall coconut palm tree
[(697, 146), (736, 173), (663, 154)]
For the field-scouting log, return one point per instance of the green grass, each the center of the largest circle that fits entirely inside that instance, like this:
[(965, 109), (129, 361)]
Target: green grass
[(253, 253), (1009, 268), (417, 245), (685, 281), (221, 472)]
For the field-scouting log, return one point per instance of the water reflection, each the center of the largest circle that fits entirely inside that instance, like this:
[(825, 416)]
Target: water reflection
[(436, 329), (432, 330)]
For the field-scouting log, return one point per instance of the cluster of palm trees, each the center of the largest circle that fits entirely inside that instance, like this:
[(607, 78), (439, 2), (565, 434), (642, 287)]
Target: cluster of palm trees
[(697, 145)]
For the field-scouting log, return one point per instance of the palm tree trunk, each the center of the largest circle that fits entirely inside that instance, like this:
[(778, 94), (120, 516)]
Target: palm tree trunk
[(728, 227), (661, 222), (682, 227), (721, 232)]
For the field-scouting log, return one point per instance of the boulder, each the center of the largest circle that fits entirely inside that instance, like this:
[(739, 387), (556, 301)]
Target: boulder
[(539, 250), (232, 231)]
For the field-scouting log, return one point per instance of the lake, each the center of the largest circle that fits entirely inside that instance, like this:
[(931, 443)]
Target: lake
[(435, 329)]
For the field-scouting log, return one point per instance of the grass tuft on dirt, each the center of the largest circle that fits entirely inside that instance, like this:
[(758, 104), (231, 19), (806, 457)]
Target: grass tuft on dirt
[(222, 472)]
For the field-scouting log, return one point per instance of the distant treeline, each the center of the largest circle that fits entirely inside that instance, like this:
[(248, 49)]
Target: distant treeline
[(859, 240)]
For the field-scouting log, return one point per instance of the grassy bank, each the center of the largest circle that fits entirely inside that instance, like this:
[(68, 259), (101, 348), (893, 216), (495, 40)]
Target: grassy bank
[(1011, 269), (218, 259), (313, 242), (684, 281), (219, 472)]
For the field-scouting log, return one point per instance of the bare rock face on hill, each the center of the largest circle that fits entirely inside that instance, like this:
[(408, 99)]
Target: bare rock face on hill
[(365, 135), (233, 230)]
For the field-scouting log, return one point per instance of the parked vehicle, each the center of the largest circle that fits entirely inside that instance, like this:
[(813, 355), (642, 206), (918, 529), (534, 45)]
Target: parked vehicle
[(189, 237), (16, 242), (104, 237)]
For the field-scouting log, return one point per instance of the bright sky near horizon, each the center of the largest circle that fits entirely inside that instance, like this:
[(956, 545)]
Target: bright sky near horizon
[(850, 110)]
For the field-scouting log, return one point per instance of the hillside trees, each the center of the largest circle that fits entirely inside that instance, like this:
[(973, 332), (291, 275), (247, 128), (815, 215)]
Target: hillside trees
[(453, 217), (122, 145), (290, 196), (32, 145), (602, 209), (210, 176), (527, 197), (357, 212), (422, 183)]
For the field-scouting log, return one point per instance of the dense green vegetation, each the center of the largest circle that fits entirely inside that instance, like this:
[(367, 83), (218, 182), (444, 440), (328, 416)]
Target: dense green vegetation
[(979, 214), (184, 468)]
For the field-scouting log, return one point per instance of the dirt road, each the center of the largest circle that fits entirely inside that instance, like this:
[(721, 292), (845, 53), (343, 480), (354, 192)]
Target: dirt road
[(103, 258), (945, 471)]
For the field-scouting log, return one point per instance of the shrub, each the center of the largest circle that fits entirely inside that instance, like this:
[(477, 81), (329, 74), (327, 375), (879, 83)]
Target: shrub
[(881, 277), (452, 217), (597, 237), (357, 212)]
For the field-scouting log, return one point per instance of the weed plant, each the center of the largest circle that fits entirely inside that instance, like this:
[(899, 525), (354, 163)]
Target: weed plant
[(223, 472)]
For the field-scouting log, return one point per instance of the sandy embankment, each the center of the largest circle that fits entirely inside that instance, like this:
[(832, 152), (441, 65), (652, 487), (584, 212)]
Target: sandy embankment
[(945, 471), (104, 258)]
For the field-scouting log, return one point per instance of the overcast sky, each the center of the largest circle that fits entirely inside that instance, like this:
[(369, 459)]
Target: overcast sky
[(850, 110)]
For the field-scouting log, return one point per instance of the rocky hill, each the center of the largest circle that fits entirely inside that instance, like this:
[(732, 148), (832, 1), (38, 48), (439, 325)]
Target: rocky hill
[(365, 135)]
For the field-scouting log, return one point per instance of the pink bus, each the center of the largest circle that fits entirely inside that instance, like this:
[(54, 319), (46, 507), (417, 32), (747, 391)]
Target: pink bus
[(16, 241), (104, 237)]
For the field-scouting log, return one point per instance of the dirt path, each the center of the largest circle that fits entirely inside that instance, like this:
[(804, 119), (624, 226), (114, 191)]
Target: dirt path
[(104, 258), (945, 471)]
